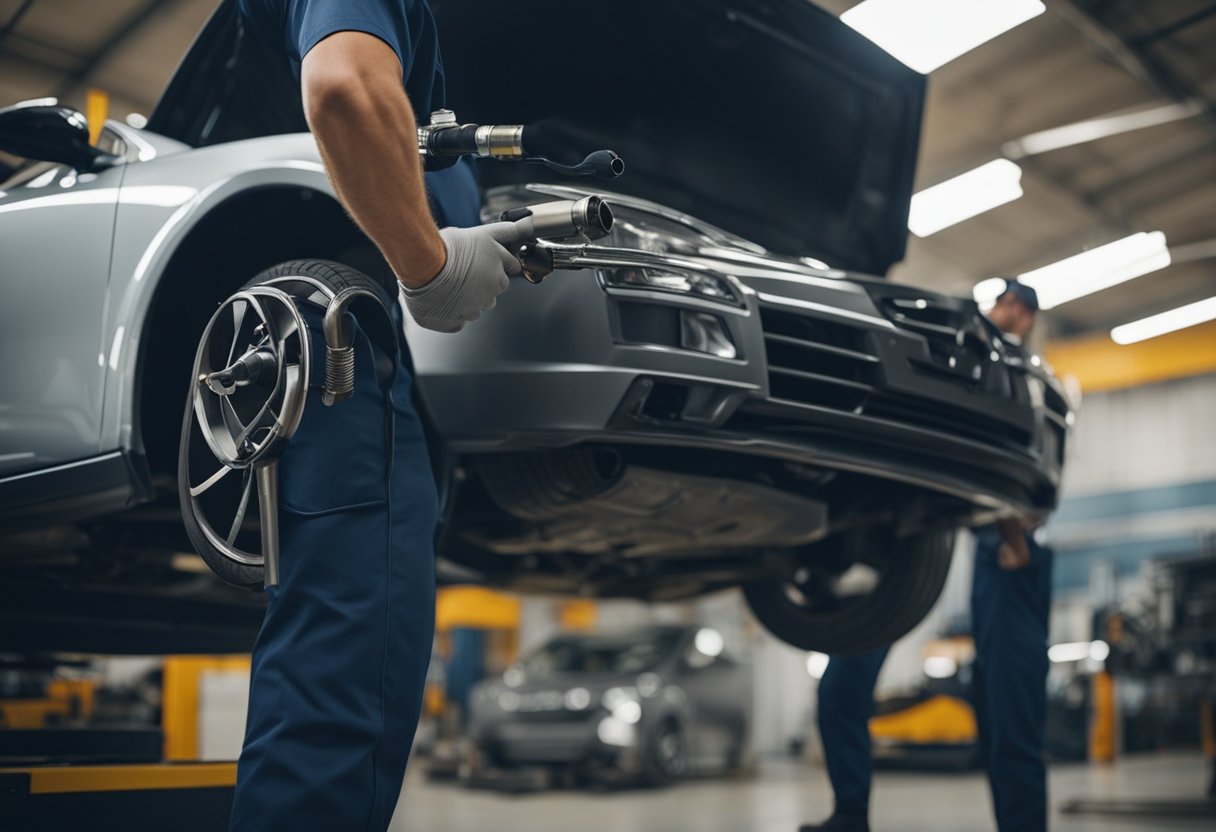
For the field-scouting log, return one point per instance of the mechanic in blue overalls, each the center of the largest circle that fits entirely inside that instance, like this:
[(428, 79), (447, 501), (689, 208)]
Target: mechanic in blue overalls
[(340, 662), (1010, 602)]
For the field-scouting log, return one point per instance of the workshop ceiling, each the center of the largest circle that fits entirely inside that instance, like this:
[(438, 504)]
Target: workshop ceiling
[(1082, 59)]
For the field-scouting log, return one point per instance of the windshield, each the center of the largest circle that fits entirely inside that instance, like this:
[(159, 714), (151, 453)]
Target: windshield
[(623, 654)]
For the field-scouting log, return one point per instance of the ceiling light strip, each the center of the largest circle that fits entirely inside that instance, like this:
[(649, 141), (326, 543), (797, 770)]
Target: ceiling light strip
[(1190, 315), (925, 34), (1097, 269), (948, 203)]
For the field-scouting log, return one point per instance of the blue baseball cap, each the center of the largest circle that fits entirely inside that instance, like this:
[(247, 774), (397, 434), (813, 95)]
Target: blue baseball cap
[(1024, 293)]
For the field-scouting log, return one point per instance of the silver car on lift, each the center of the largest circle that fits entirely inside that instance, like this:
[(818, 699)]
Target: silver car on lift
[(720, 396)]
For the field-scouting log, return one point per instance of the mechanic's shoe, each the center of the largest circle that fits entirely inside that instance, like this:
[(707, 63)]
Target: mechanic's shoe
[(839, 822)]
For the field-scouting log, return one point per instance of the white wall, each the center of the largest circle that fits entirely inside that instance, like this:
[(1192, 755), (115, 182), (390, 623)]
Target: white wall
[(1158, 434)]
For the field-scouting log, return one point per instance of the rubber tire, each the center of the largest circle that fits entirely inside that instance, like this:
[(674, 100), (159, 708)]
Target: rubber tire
[(654, 773), (906, 592), (337, 277)]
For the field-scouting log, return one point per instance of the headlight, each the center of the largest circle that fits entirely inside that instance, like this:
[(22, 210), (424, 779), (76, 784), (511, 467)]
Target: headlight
[(615, 696), (695, 284), (508, 700), (629, 713), (623, 704), (578, 699)]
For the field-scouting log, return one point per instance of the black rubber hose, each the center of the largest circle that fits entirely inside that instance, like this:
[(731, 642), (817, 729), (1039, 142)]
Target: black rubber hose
[(453, 141)]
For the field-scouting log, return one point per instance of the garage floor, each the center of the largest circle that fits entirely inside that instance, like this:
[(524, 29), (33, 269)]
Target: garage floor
[(783, 794)]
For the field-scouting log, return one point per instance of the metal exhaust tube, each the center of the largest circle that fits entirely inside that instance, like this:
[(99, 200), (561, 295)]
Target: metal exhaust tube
[(589, 218)]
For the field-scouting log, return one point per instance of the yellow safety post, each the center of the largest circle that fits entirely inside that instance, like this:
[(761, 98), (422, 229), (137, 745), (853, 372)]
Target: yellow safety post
[(476, 608), (96, 110), (578, 614), (1102, 730), (179, 709)]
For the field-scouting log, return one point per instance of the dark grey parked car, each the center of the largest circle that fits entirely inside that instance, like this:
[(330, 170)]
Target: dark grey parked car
[(654, 704), (721, 397)]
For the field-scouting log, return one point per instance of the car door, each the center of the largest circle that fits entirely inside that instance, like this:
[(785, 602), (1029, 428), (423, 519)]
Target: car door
[(56, 227)]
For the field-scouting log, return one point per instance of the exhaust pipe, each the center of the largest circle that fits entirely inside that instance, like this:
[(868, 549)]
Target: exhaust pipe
[(589, 218)]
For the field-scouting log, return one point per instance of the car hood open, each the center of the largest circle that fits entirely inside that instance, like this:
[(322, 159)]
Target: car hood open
[(767, 118)]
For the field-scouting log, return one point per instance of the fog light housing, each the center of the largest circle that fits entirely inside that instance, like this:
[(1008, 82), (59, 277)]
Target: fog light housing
[(694, 284), (707, 333)]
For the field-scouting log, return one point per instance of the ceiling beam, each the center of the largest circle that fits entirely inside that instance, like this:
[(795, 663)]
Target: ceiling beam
[(80, 76), (1175, 27), (57, 69), (1156, 76), (15, 19), (1151, 161)]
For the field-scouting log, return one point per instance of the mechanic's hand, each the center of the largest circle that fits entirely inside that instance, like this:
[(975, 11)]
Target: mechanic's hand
[(1012, 557), (475, 274), (1014, 552)]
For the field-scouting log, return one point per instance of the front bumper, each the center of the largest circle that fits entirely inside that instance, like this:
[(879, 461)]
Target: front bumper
[(855, 375), (558, 742)]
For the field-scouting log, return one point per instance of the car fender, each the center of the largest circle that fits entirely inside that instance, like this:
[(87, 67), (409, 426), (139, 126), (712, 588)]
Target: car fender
[(162, 202)]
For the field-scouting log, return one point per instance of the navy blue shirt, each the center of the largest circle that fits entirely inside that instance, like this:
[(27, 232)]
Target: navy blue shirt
[(409, 30), (405, 25)]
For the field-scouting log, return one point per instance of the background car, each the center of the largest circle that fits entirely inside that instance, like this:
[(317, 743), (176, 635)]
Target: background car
[(709, 405), (654, 704)]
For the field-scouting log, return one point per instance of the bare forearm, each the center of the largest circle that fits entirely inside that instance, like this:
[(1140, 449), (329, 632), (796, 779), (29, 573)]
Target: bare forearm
[(365, 129)]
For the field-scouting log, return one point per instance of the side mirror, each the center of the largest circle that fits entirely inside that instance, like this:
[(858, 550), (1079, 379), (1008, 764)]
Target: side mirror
[(49, 132)]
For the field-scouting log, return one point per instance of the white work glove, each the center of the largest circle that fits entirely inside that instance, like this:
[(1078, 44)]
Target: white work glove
[(475, 274)]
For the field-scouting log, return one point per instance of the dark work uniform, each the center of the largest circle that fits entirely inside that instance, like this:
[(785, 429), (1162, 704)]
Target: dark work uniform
[(1009, 612), (340, 663)]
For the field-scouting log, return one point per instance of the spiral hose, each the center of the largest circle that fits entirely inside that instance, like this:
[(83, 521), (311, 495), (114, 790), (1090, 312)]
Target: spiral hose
[(339, 374)]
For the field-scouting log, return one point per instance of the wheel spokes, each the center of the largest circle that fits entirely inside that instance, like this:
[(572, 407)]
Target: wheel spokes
[(244, 504), (238, 318), (196, 490)]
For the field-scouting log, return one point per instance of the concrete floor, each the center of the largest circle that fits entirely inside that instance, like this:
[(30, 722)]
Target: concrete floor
[(782, 794)]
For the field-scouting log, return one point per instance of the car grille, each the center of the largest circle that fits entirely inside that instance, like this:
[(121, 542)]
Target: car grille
[(821, 363), (818, 362)]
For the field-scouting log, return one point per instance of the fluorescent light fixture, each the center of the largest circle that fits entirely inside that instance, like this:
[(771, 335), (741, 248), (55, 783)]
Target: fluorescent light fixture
[(1175, 319), (964, 196), (925, 34), (1092, 129), (987, 291), (1075, 651), (1072, 651), (1097, 269)]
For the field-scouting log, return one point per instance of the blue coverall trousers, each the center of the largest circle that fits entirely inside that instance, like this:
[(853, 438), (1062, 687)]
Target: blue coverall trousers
[(1009, 612), (340, 662)]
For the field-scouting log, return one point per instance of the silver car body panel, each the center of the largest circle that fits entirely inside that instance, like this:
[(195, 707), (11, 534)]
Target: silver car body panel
[(51, 332), (546, 367)]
